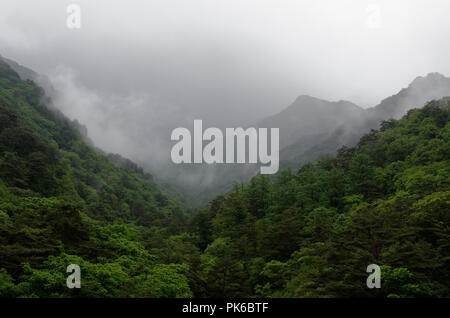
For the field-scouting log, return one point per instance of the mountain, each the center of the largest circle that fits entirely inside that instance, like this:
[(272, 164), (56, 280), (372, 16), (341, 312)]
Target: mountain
[(23, 72), (309, 232), (26, 73), (314, 231), (418, 93), (311, 128), (310, 116), (64, 202)]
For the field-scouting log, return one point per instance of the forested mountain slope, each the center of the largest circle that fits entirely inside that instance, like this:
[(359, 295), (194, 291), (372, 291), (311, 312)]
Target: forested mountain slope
[(305, 233), (311, 128), (334, 125), (313, 232), (62, 202)]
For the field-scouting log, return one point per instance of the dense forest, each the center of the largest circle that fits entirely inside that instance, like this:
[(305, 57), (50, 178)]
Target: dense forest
[(311, 232)]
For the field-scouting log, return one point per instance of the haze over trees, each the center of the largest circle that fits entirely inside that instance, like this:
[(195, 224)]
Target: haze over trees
[(307, 232), (311, 128)]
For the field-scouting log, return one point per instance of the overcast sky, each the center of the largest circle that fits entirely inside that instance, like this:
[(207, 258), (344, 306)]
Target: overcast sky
[(140, 64), (240, 52)]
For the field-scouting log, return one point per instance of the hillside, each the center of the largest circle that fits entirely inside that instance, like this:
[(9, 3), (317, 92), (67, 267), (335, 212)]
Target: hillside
[(310, 116), (310, 232), (311, 128), (313, 232), (62, 202), (420, 91), (337, 124)]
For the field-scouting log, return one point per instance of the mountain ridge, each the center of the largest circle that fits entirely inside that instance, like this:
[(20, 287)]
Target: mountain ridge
[(329, 139), (310, 128)]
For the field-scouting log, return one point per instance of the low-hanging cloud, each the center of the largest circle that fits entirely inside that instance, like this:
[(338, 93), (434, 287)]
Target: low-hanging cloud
[(132, 125), (138, 69)]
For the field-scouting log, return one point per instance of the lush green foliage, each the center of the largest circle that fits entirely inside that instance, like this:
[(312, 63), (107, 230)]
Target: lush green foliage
[(313, 233), (62, 202), (305, 233)]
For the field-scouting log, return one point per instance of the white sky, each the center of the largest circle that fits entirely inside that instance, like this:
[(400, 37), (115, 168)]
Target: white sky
[(250, 56)]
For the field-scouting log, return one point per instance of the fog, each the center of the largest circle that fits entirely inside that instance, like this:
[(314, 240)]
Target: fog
[(136, 70)]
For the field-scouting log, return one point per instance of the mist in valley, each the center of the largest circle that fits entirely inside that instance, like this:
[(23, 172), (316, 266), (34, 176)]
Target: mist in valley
[(135, 71)]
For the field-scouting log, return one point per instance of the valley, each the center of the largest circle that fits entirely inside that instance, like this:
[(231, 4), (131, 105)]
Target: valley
[(304, 232)]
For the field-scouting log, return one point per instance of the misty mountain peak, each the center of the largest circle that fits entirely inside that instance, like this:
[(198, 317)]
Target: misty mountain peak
[(430, 79), (306, 98), (421, 90), (307, 101), (310, 111), (309, 115)]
